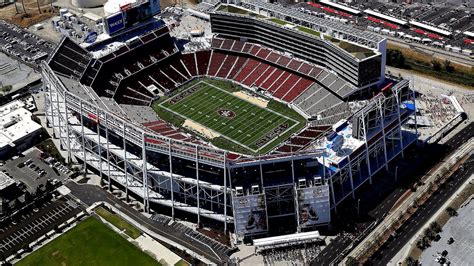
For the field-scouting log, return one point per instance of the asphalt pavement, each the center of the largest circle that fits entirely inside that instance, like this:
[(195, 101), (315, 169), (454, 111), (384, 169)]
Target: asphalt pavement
[(422, 215)]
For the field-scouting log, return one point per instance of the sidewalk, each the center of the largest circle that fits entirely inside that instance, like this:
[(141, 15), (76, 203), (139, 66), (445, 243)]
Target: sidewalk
[(394, 217)]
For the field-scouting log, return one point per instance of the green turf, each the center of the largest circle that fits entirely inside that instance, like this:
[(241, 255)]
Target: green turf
[(239, 133), (89, 243), (118, 222)]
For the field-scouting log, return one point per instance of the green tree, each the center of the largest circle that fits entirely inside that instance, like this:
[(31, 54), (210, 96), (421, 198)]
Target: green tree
[(436, 65), (395, 58), (435, 227), (410, 261), (351, 261), (420, 244), (451, 211), (448, 66)]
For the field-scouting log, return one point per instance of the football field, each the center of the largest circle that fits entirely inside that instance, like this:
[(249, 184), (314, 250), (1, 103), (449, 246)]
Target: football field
[(231, 117)]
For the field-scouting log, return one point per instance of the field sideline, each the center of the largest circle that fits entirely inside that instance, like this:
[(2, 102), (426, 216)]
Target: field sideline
[(237, 120)]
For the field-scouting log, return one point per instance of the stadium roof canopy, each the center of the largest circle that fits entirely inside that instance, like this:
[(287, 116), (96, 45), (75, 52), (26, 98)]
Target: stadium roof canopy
[(342, 7), (389, 18), (430, 28)]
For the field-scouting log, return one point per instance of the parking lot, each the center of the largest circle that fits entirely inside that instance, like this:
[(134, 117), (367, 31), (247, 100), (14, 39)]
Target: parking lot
[(461, 229), (35, 173), (455, 19), (29, 227), (23, 45)]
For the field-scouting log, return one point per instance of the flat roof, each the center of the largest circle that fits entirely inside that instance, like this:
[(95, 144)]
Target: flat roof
[(343, 7), (430, 28), (5, 181), (15, 123), (382, 16), (287, 239), (92, 16)]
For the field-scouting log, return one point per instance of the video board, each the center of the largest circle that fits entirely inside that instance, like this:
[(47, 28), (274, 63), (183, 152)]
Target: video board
[(132, 14)]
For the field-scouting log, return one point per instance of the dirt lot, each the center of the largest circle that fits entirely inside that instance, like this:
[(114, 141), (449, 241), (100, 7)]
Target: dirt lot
[(27, 14)]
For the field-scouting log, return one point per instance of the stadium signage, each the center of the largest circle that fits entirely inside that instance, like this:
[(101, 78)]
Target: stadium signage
[(115, 23), (91, 37)]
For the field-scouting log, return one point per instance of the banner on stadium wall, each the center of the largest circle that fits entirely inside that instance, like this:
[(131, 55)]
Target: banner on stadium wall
[(115, 23), (250, 215), (314, 206)]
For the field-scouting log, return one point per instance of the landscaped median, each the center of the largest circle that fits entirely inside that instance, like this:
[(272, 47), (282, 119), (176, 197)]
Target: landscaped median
[(90, 243), (118, 222)]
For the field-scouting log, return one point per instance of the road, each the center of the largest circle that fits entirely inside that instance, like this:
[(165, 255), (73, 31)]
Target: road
[(370, 197), (90, 194), (422, 215)]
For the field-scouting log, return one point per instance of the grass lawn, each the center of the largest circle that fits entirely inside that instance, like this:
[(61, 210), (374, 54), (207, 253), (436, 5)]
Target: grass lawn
[(118, 222), (89, 243), (309, 31), (279, 21), (212, 105), (181, 263)]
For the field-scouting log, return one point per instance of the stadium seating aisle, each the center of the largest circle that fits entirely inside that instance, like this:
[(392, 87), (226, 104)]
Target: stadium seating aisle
[(202, 59), (279, 82), (257, 73), (246, 70), (238, 46), (302, 85), (272, 79), (294, 64), (265, 75), (241, 61), (216, 61), (227, 65), (286, 86), (273, 57), (189, 61)]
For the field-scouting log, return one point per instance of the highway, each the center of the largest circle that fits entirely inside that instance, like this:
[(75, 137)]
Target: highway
[(90, 194), (422, 215)]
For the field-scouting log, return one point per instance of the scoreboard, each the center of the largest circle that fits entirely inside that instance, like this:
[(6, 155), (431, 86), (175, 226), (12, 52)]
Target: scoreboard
[(131, 14)]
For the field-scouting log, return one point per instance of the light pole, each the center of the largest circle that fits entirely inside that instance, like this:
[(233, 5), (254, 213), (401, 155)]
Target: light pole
[(396, 173), (358, 207)]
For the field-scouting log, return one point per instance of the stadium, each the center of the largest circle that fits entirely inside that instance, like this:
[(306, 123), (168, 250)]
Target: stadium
[(245, 136)]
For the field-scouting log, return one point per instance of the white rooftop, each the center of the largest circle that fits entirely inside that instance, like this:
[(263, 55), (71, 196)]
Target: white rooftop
[(343, 7), (469, 33), (383, 16), (430, 28), (15, 123), (341, 146)]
